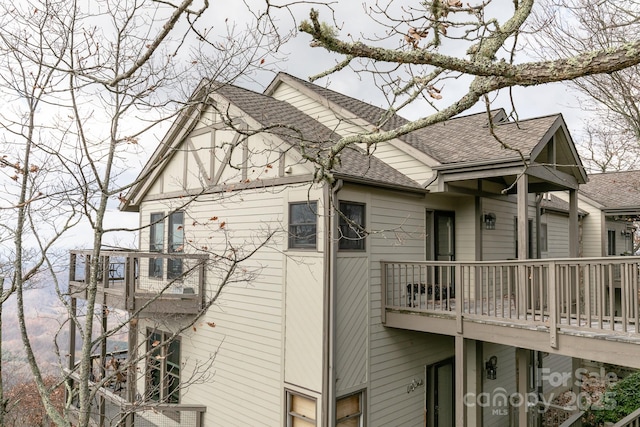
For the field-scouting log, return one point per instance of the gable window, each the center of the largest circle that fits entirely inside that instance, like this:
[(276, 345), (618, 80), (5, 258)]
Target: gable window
[(351, 225), (176, 244), (349, 411), (301, 410), (611, 242), (163, 367), (302, 225), (156, 243)]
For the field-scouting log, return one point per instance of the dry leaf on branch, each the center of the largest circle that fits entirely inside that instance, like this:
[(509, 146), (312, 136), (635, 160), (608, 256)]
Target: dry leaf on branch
[(414, 36), (434, 92)]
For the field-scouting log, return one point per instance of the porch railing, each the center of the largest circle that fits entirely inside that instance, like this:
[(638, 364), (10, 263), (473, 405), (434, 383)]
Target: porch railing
[(116, 411), (137, 278), (631, 420), (574, 420), (588, 294)]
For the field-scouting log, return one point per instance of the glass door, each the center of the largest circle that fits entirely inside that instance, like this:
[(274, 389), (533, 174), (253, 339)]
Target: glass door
[(444, 250), (440, 405)]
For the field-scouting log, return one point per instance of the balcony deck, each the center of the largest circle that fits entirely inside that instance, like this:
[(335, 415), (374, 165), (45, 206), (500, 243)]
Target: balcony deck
[(143, 282), (585, 307), (110, 409)]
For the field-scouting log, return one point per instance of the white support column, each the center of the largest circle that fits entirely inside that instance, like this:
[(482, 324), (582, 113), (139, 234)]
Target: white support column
[(461, 380), (574, 238)]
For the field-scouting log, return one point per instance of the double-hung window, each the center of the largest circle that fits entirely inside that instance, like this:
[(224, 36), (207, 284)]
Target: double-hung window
[(352, 226), (163, 367), (302, 225), (301, 410), (349, 410)]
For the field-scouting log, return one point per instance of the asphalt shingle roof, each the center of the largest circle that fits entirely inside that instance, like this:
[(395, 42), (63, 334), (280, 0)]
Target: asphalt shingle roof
[(458, 140), (614, 189), (297, 128)]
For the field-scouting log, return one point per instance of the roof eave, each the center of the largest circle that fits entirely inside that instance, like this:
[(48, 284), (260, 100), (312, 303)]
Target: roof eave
[(379, 184)]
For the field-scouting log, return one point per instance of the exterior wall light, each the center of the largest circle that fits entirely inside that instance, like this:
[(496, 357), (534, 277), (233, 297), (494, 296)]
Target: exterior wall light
[(491, 366), (489, 220)]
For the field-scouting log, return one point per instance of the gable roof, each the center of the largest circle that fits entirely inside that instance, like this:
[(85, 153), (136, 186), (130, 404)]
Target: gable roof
[(468, 138), (289, 124), (615, 191), (459, 140), (298, 129)]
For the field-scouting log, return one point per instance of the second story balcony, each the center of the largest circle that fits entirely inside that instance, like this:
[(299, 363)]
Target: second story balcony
[(584, 307), (139, 281)]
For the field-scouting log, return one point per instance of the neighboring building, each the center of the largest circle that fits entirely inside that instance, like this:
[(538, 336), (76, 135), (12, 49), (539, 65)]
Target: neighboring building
[(420, 298), (613, 202)]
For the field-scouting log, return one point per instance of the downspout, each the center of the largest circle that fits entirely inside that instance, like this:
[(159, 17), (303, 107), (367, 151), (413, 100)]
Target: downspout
[(330, 279)]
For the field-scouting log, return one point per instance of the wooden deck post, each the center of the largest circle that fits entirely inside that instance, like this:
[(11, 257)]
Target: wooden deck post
[(383, 292), (522, 370), (574, 240), (460, 384), (553, 306), (523, 243)]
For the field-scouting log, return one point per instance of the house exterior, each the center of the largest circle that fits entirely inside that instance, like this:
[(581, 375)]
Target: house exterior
[(613, 202), (426, 281)]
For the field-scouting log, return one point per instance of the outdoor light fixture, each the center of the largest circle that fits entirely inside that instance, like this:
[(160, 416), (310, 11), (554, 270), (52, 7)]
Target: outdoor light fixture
[(491, 366), (489, 220)]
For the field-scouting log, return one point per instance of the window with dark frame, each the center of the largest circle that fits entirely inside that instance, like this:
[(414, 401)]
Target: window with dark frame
[(163, 367), (351, 223), (156, 243), (176, 244), (303, 225)]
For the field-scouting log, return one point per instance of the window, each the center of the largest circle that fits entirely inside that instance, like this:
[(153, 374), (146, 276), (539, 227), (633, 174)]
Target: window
[(543, 238), (302, 225), (301, 410), (163, 367), (611, 242), (351, 225), (349, 411), (176, 244), (156, 243)]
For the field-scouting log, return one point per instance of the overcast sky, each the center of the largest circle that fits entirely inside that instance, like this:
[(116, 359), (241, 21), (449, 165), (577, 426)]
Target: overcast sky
[(303, 61)]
